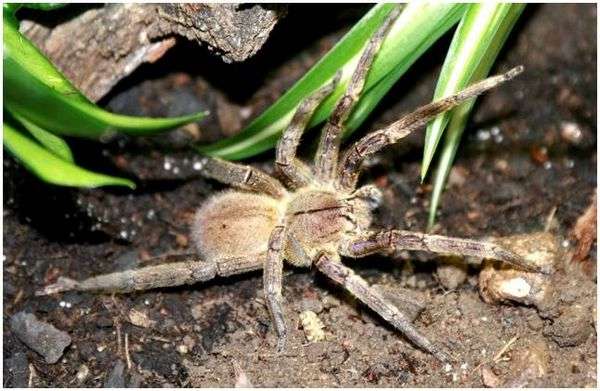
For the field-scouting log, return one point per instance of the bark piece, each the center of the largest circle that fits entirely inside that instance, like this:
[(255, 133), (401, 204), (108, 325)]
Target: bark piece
[(100, 46)]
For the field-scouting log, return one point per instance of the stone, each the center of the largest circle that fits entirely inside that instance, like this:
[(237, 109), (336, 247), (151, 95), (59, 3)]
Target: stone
[(40, 336)]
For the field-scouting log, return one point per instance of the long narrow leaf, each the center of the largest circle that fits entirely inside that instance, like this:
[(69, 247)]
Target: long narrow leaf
[(414, 40), (35, 90), (420, 24), (475, 46), (28, 56), (53, 143), (50, 167)]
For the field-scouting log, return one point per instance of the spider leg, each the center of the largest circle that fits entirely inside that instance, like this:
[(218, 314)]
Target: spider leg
[(354, 156), (181, 269), (375, 300), (241, 176), (293, 171), (376, 241), (326, 157), (272, 278)]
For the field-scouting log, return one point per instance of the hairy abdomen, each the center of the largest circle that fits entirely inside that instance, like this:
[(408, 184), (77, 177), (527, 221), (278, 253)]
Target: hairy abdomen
[(234, 224)]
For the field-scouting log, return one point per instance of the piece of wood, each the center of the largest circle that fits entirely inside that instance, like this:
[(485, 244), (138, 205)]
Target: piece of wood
[(102, 45)]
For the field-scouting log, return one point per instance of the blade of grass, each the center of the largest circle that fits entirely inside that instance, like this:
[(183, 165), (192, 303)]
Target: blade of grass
[(29, 98), (53, 143), (419, 25), (50, 168), (27, 55), (35, 90), (483, 29), (416, 42), (475, 46)]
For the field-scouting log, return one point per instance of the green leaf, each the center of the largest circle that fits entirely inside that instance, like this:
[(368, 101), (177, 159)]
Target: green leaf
[(8, 11), (22, 51), (50, 168), (35, 90), (480, 35), (420, 24), (421, 28), (53, 143)]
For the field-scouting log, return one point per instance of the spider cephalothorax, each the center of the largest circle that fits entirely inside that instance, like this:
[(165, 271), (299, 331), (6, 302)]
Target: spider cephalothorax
[(310, 217)]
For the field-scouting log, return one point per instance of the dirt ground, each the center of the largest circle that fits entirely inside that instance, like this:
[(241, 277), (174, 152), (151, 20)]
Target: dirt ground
[(529, 150)]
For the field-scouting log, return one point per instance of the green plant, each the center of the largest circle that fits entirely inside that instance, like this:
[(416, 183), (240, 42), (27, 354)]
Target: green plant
[(477, 41), (41, 102)]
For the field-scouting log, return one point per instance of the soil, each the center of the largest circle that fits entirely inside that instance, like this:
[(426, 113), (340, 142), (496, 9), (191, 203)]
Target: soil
[(529, 153)]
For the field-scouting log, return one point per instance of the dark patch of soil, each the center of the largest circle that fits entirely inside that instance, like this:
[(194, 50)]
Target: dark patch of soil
[(516, 164)]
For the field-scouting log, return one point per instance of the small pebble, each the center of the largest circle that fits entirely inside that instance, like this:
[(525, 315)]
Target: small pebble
[(529, 365), (500, 283), (452, 272), (189, 341), (182, 349), (82, 373), (140, 319), (241, 379), (40, 336), (571, 133)]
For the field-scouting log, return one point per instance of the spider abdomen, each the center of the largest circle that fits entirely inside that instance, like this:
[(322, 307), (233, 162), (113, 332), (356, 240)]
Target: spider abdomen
[(235, 224)]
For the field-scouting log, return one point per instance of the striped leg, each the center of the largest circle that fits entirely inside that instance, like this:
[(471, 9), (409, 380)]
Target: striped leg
[(326, 157), (354, 156), (375, 300), (293, 171), (179, 269)]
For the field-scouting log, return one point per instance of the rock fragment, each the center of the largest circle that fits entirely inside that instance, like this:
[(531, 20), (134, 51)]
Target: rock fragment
[(500, 283), (140, 319), (40, 336), (241, 379), (452, 272)]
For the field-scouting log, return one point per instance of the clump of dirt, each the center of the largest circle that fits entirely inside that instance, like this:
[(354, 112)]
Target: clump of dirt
[(520, 170)]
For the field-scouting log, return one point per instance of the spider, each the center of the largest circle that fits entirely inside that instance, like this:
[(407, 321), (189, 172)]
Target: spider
[(311, 217)]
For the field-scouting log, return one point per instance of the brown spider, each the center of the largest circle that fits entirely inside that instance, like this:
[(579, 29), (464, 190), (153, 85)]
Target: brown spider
[(318, 217)]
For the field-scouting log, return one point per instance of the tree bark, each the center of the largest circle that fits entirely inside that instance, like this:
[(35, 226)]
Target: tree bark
[(101, 46)]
